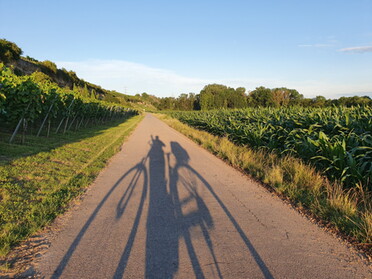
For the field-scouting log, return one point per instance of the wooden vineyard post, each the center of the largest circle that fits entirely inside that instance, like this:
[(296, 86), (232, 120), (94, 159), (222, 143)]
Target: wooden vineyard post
[(45, 119), (77, 124), (16, 130), (60, 124), (72, 122), (24, 130), (19, 124), (68, 116), (48, 131), (81, 122), (64, 130)]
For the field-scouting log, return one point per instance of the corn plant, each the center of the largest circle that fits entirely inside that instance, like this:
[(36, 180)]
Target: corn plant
[(338, 140)]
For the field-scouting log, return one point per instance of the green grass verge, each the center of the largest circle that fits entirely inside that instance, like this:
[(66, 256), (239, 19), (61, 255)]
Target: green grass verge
[(39, 179), (348, 212)]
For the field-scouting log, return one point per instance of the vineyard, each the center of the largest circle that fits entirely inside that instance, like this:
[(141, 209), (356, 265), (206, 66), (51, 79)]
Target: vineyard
[(53, 143), (32, 107), (337, 141)]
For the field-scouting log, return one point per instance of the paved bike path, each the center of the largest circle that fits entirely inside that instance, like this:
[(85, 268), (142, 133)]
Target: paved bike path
[(166, 208)]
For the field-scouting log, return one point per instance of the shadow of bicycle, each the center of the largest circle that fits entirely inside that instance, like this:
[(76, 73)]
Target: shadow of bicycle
[(168, 222)]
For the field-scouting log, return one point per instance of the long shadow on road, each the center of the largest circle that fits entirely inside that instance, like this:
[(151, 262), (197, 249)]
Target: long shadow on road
[(137, 171), (166, 223), (182, 161)]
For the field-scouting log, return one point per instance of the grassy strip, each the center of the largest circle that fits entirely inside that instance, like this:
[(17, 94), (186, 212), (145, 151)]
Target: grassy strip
[(35, 189), (349, 212)]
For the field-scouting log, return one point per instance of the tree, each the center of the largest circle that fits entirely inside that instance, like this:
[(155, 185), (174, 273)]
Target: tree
[(319, 101), (217, 96), (236, 98), (240, 91), (280, 96), (167, 103), (182, 102), (196, 102), (9, 51), (213, 96), (206, 100), (284, 96), (145, 96), (295, 97), (353, 101), (261, 96)]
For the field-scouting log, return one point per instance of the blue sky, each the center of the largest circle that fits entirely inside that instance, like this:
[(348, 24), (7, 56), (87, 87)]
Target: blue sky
[(166, 48)]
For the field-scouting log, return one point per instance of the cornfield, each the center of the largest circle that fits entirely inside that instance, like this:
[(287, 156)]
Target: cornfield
[(337, 141)]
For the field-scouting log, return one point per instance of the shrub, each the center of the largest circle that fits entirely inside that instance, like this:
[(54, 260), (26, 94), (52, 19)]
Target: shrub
[(50, 66), (9, 51)]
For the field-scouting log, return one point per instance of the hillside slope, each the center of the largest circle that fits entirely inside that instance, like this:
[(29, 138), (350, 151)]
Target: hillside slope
[(10, 55)]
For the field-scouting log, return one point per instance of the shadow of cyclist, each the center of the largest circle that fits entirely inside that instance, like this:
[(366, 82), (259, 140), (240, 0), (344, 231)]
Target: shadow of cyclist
[(183, 162), (162, 236)]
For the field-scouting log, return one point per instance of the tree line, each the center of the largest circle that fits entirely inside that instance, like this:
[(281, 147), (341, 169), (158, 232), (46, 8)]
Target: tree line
[(218, 96)]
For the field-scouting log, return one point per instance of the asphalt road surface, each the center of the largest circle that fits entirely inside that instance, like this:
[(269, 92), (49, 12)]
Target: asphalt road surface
[(166, 208)]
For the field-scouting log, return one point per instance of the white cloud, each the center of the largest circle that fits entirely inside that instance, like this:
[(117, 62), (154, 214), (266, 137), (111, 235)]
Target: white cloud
[(331, 89), (309, 88), (359, 49), (124, 76)]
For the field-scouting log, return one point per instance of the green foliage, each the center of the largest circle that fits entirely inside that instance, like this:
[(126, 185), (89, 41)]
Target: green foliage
[(42, 178), (217, 96), (349, 211), (276, 97), (319, 101), (40, 78), (213, 96), (31, 97), (31, 59), (338, 141), (48, 72), (50, 66), (284, 96), (2, 95), (9, 51), (261, 96), (353, 101)]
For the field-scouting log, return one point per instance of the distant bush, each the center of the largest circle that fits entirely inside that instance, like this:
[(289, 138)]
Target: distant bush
[(111, 99), (63, 75), (9, 51), (31, 59), (49, 65), (74, 78)]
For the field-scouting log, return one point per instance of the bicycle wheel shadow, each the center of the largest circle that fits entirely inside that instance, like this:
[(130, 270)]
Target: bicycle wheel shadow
[(137, 171), (199, 217), (167, 223), (182, 158)]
